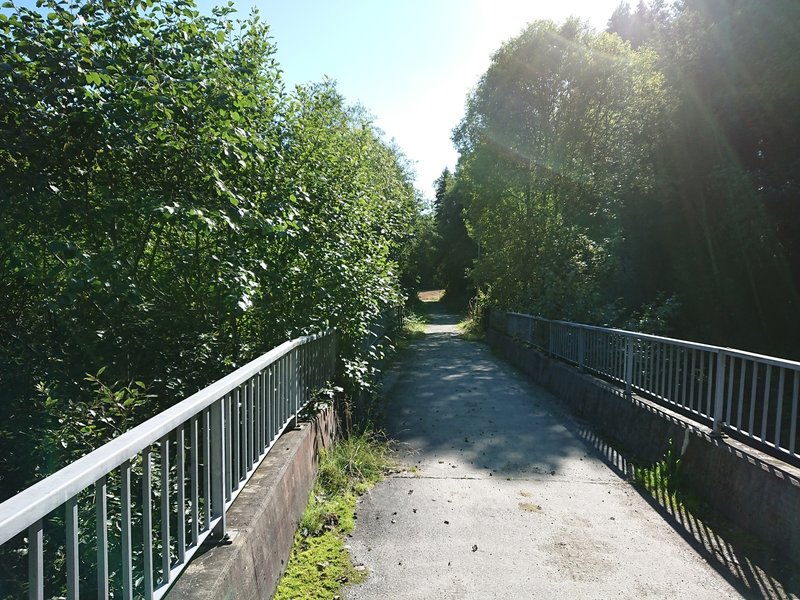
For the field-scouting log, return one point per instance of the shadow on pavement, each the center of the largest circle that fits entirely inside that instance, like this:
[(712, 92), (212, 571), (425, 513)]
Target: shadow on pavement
[(741, 560), (472, 417)]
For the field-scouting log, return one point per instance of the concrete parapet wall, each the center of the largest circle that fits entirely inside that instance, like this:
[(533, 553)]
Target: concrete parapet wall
[(757, 492), (261, 521)]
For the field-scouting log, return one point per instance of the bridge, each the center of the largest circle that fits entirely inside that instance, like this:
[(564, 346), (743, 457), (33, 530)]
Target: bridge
[(505, 493)]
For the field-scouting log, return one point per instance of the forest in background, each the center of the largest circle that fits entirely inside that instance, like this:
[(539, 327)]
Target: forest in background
[(171, 211), (645, 177)]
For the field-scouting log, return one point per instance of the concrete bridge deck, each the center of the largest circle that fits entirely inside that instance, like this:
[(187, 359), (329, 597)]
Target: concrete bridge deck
[(503, 498)]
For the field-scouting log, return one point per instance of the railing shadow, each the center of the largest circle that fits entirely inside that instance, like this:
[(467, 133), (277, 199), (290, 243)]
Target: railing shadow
[(746, 564)]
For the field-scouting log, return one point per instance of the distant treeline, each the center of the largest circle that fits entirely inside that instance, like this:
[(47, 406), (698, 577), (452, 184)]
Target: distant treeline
[(645, 177), (169, 211)]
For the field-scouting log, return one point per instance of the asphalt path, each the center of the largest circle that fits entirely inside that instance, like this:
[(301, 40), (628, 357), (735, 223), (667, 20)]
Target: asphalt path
[(501, 497)]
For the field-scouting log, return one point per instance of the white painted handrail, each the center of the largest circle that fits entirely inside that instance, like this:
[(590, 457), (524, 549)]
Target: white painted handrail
[(230, 426), (752, 396)]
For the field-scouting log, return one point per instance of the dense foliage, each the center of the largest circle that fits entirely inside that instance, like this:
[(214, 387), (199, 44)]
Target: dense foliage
[(644, 177), (170, 211)]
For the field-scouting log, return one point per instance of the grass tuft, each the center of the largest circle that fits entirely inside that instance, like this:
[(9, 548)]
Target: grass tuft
[(471, 330), (319, 564), (665, 481)]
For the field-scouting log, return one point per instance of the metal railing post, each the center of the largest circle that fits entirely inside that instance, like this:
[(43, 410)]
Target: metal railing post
[(218, 468), (719, 394), (628, 368), (581, 349), (292, 388)]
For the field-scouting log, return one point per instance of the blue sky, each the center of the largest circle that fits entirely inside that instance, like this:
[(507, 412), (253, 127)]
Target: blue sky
[(411, 63)]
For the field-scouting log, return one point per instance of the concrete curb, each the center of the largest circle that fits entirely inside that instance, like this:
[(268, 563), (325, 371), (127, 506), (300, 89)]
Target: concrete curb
[(261, 522), (757, 492)]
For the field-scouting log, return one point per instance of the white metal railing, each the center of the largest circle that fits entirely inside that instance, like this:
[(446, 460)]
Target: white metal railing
[(190, 461), (750, 395)]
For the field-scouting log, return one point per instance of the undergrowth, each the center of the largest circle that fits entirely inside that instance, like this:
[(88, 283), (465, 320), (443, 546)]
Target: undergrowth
[(413, 328), (320, 564), (666, 482), (414, 325), (471, 330)]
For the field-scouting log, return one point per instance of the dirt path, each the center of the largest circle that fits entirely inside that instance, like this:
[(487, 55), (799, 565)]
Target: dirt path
[(502, 498)]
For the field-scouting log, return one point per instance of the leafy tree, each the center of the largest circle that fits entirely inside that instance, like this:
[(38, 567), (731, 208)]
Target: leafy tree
[(171, 211), (555, 138), (457, 251)]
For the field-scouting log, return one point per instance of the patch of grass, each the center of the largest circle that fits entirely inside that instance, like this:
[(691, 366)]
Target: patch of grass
[(665, 481), (413, 329), (319, 564), (471, 330), (414, 325)]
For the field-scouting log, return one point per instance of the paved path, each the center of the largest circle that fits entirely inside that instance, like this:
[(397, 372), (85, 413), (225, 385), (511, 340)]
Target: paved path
[(502, 498)]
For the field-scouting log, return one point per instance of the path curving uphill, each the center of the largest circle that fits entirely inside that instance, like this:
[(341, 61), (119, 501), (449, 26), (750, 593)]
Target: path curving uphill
[(504, 496)]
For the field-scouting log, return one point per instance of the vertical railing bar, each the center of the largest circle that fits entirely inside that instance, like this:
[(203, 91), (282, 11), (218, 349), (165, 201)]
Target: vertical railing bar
[(271, 401), (147, 523), (165, 534), (72, 550), (206, 470), (765, 412), (267, 408), (740, 406), (229, 485), (285, 399), (729, 407), (194, 484), (779, 408), (125, 534), (793, 422), (753, 387), (218, 467), (258, 437), (251, 457), (676, 382), (180, 462), (300, 379), (628, 367), (709, 386), (701, 379), (256, 416), (662, 370), (719, 392), (236, 477), (646, 371), (273, 418), (260, 421), (248, 453), (685, 373), (277, 397), (36, 561), (101, 535), (692, 379), (245, 410)]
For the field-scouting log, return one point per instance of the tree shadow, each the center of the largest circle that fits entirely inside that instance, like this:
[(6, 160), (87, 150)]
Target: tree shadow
[(753, 569)]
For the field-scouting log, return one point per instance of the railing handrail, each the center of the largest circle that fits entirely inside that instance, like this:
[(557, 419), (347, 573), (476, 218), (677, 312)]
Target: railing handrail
[(754, 397), (36, 502), (765, 358)]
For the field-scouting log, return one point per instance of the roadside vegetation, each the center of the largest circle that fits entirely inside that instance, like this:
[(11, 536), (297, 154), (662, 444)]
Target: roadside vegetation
[(320, 563), (665, 481), (641, 177), (170, 211)]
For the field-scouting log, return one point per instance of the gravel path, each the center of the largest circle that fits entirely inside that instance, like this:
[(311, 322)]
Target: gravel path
[(502, 498)]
